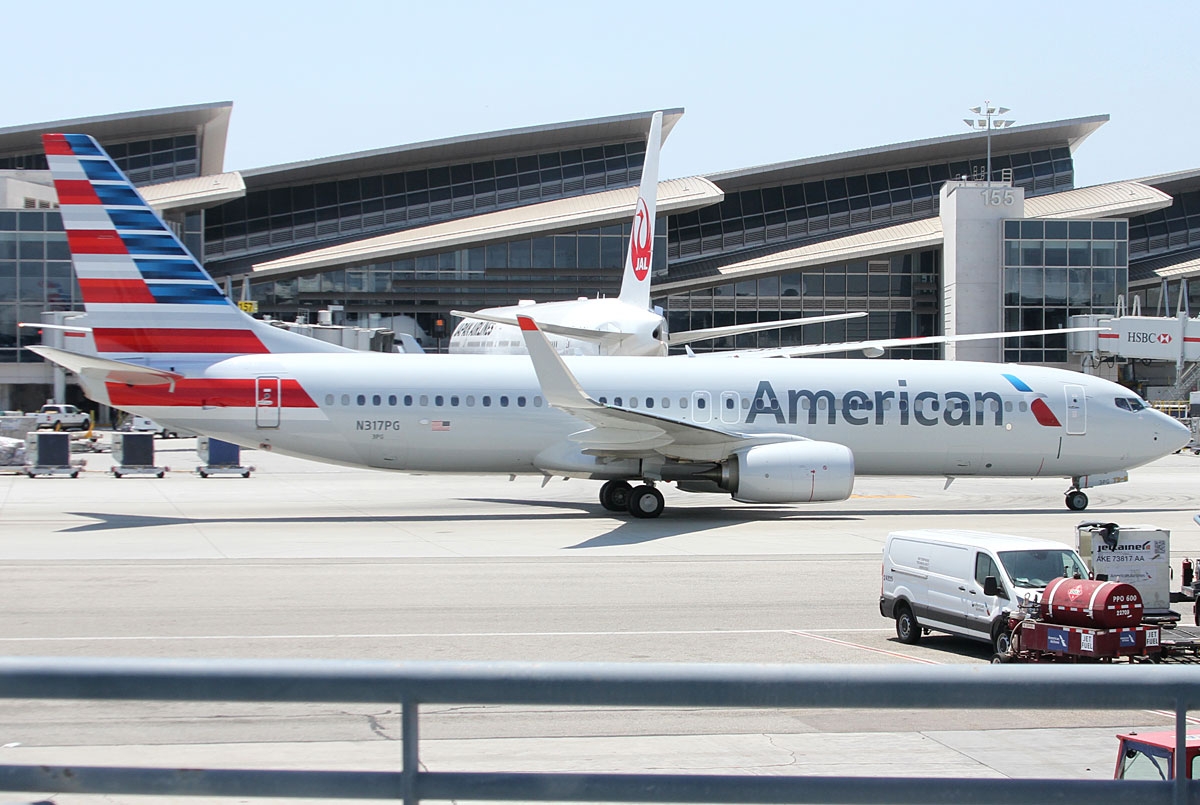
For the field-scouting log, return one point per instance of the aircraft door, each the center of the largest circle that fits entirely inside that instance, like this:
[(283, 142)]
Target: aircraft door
[(731, 412), (701, 407), (267, 402), (1076, 411)]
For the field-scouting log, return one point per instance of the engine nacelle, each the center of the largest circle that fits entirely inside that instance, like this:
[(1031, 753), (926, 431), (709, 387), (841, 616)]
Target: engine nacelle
[(790, 472)]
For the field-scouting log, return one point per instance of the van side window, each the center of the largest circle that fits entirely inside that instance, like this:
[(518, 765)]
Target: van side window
[(984, 567)]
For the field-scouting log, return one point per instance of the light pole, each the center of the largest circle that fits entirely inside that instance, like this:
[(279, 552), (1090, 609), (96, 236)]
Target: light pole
[(988, 118)]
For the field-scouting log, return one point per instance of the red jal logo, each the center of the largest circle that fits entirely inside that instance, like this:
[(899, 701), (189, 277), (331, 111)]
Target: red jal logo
[(641, 241)]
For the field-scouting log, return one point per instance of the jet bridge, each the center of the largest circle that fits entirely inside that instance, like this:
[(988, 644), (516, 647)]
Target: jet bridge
[(1149, 338)]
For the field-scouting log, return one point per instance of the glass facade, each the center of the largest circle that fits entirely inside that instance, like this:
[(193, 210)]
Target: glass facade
[(547, 268), (1056, 269), (309, 213), (161, 159), (749, 218), (35, 275), (900, 294), (1176, 227)]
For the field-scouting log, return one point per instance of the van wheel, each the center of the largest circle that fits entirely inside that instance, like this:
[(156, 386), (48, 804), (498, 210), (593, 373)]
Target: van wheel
[(907, 628), (1001, 640)]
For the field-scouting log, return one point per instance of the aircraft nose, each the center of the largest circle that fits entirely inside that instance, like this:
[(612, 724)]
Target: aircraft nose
[(1172, 434)]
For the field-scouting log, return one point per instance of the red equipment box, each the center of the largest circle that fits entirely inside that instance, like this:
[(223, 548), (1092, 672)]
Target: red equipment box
[(1083, 642)]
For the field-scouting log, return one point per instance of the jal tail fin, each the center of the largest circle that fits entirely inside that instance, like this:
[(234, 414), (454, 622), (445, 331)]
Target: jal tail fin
[(148, 300), (635, 282)]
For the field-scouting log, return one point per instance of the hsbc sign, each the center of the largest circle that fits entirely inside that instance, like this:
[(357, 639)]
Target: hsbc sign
[(1152, 338)]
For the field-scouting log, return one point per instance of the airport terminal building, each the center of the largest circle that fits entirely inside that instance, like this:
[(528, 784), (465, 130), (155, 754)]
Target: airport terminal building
[(916, 234)]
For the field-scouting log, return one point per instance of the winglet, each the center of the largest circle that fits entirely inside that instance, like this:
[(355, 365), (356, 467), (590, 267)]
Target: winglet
[(559, 386), (635, 282)]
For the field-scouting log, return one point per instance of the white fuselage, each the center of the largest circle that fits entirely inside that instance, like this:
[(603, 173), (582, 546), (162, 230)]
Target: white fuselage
[(486, 414), (644, 329)]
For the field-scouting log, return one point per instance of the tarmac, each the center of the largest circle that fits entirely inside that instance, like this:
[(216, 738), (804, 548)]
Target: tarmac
[(314, 561)]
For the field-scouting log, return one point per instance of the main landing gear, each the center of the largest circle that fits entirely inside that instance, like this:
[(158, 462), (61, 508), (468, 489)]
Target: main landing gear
[(643, 501), (1076, 500)]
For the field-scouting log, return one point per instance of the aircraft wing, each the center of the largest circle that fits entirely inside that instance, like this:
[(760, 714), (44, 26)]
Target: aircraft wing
[(875, 348), (688, 336), (103, 370), (624, 432), (602, 336)]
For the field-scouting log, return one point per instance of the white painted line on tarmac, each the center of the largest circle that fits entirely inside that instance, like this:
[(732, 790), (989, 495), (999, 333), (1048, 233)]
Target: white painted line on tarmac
[(812, 634), (413, 635)]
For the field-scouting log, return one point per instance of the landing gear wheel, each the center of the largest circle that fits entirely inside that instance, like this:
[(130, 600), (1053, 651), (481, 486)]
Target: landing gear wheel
[(646, 502), (614, 496), (203, 474), (907, 629), (116, 474), (1076, 500)]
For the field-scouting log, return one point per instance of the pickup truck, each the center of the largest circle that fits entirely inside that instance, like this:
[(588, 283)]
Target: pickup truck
[(62, 417)]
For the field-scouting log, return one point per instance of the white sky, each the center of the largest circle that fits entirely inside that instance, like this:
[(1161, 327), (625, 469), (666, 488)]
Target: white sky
[(761, 82)]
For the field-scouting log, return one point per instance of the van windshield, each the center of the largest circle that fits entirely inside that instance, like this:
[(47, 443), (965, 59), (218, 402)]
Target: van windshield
[(1036, 569)]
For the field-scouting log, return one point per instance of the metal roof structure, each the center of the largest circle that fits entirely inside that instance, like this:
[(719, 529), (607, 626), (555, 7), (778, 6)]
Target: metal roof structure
[(185, 195), (467, 148), (1173, 183), (577, 212), (210, 123), (954, 147), (1101, 201)]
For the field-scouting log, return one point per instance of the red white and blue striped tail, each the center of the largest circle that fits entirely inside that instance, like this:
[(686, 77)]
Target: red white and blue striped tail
[(148, 300)]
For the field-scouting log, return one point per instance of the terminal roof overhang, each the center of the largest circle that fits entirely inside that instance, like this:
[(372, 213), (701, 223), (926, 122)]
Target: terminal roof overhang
[(1102, 201), (952, 148), (209, 121), (577, 212), (529, 140), (1177, 265)]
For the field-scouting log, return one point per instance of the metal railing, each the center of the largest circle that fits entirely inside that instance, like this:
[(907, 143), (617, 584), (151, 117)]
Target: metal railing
[(1103, 687)]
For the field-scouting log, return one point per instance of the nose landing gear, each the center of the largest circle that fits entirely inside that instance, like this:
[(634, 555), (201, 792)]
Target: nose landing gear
[(1076, 500)]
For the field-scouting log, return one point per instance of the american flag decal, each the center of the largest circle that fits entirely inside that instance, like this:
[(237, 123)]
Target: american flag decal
[(440, 424)]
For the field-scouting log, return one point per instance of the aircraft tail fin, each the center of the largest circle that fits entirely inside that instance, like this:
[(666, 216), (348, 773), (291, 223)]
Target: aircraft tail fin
[(148, 300), (635, 282)]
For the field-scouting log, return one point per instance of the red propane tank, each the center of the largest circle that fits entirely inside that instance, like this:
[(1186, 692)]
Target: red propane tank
[(1096, 604)]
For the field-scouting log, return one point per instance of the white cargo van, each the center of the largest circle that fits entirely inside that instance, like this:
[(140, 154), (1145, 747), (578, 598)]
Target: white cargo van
[(962, 581)]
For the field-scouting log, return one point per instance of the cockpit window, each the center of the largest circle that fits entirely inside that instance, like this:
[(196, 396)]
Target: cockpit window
[(1129, 403)]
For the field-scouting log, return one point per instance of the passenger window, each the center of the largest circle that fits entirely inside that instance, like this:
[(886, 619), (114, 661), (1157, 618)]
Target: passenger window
[(439, 401), (345, 399), (537, 402), (683, 402), (376, 400), (408, 400), (633, 402), (424, 400), (616, 400), (520, 402), (362, 399), (603, 401), (666, 402), (729, 404), (454, 401), (503, 401), (701, 402), (329, 399), (487, 401), (392, 399), (649, 402), (470, 401)]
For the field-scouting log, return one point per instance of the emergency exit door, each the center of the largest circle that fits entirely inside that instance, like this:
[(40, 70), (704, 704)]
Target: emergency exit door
[(267, 402)]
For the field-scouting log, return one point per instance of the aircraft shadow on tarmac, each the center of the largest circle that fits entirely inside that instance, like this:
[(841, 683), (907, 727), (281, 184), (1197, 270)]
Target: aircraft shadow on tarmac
[(628, 531)]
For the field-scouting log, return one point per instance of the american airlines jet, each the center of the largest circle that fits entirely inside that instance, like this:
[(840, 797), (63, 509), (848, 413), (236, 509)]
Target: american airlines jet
[(168, 345), (626, 325)]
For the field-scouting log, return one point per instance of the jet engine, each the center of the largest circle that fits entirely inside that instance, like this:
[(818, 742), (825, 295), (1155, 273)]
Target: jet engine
[(788, 472)]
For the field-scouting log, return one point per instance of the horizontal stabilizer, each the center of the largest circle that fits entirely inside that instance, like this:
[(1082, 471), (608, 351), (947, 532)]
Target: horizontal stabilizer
[(105, 370)]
